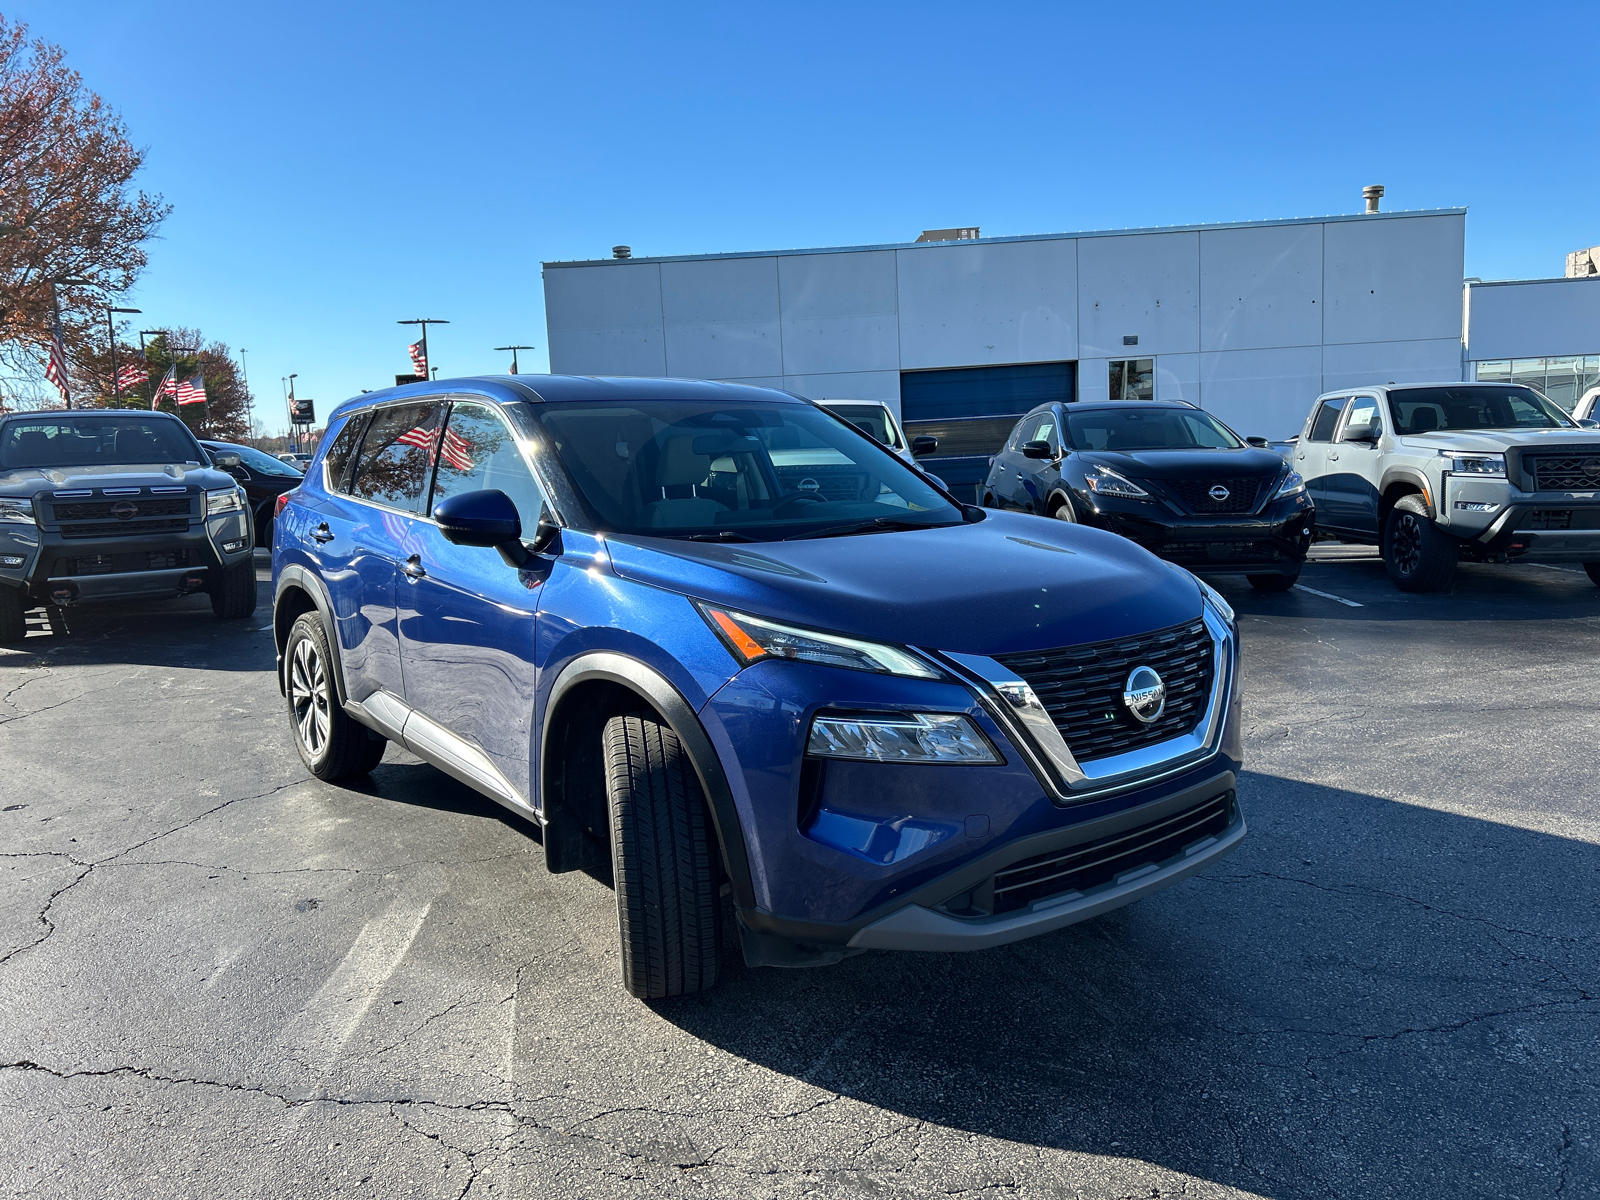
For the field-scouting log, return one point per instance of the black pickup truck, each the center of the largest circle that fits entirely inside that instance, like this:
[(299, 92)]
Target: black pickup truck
[(113, 505)]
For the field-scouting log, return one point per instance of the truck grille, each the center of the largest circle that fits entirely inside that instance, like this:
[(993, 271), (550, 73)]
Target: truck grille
[(102, 510), (123, 528), (1081, 687), (1099, 862), (1196, 494), (1563, 473)]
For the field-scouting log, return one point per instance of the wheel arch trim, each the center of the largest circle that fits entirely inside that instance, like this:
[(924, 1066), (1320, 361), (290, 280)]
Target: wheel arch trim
[(298, 577), (1411, 477)]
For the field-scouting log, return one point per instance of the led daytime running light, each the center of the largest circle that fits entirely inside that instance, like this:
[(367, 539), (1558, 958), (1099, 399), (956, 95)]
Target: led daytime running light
[(752, 639)]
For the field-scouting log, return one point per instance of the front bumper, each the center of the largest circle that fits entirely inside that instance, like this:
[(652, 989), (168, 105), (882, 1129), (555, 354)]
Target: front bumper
[(1543, 527), (54, 569), (1274, 540)]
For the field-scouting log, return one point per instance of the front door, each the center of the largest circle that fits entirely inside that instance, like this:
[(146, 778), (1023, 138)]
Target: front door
[(467, 618), (1311, 455), (1347, 486)]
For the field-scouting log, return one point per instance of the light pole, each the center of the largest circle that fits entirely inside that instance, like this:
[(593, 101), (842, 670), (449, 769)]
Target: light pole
[(148, 386), (424, 322), (514, 350), (178, 352), (294, 432), (249, 405), (111, 335)]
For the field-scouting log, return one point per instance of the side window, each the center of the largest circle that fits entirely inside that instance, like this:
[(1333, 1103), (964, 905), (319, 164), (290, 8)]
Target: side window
[(397, 455), (1327, 418), (1040, 428), (337, 463), (1364, 411), (478, 453)]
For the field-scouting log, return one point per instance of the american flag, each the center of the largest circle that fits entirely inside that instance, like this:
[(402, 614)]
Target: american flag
[(456, 451), (191, 391), (167, 387), (419, 358), (131, 376), (56, 370)]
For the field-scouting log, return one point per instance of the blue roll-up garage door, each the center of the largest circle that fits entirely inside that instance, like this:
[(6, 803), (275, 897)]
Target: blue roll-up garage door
[(971, 410)]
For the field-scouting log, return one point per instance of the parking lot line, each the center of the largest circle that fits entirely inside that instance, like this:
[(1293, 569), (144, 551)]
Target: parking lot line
[(1300, 587)]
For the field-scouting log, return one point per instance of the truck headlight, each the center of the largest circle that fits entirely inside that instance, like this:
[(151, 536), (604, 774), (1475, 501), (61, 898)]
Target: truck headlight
[(1103, 481), (900, 737), (224, 500), (752, 639), (14, 510), (1483, 465)]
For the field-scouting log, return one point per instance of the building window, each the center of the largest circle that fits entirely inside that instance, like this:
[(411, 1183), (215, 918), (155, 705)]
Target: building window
[(1563, 379), (1133, 379)]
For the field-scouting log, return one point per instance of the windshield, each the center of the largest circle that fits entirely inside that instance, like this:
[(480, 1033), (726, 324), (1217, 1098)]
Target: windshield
[(1473, 406), (870, 418), (686, 468), (257, 460), (1142, 427), (70, 440)]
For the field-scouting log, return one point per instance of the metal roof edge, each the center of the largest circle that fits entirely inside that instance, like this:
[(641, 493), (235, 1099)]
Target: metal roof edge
[(1023, 237), (1476, 283)]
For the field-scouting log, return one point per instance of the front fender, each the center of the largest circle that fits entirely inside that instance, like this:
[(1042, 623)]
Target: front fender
[(293, 576)]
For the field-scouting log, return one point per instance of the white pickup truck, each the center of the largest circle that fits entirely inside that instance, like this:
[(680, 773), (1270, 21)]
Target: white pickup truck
[(1442, 472)]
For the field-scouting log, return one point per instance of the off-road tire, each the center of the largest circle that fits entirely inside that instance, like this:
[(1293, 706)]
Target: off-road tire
[(13, 616), (1593, 570), (1273, 583), (331, 744), (233, 591), (663, 860), (1419, 558)]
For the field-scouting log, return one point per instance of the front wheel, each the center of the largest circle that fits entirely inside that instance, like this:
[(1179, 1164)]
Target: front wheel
[(1273, 583), (233, 591), (1063, 511), (1418, 557), (1593, 570), (663, 861), (330, 744)]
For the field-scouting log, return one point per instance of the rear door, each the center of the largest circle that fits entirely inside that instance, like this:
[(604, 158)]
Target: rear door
[(1311, 456)]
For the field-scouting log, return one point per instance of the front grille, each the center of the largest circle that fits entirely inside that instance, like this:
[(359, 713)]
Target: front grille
[(1186, 552), (1197, 498), (120, 564), (1096, 863), (123, 528), (103, 510), (1565, 472), (1081, 687)]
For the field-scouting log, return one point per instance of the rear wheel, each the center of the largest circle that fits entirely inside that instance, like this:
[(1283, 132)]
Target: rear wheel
[(663, 859), (330, 744), (1594, 572), (1273, 583), (233, 591), (13, 624), (1419, 558)]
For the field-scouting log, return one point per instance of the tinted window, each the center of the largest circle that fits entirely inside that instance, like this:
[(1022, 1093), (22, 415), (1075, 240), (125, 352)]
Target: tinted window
[(1148, 427), (870, 418), (1472, 406), (74, 441), (1326, 419), (478, 453), (343, 450), (1040, 428), (256, 460), (762, 470), (397, 454)]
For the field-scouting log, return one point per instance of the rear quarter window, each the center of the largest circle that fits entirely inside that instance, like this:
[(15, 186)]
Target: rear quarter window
[(337, 462)]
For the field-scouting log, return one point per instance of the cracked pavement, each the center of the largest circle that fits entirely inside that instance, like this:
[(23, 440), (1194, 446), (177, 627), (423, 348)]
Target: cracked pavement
[(218, 976)]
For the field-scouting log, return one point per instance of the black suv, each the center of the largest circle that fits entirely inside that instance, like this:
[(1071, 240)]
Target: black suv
[(1164, 474), (111, 505)]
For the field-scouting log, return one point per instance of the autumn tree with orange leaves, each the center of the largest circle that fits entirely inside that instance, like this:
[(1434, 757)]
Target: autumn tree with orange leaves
[(68, 212)]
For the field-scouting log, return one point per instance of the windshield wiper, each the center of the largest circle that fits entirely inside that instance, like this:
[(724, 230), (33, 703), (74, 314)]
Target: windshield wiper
[(870, 525), (721, 535)]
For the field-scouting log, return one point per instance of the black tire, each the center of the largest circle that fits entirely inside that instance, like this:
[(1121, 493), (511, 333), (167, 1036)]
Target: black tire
[(1273, 583), (233, 591), (1418, 557), (13, 620), (663, 861), (1593, 570), (1064, 511), (264, 526), (330, 744)]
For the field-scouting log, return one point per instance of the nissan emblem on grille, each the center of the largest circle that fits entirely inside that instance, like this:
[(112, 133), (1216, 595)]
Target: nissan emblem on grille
[(125, 510), (1591, 466), (1145, 695), (1219, 493)]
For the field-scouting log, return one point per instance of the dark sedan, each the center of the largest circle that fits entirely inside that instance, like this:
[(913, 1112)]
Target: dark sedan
[(265, 478), (1166, 475)]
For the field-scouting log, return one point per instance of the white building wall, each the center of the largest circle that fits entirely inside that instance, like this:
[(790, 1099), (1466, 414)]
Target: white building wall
[(1541, 318), (1249, 321)]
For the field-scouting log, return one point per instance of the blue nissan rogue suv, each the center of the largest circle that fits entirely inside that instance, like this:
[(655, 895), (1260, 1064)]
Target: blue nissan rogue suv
[(728, 649)]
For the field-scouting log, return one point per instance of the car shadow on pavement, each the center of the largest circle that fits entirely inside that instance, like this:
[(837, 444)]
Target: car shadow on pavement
[(423, 785), (1370, 998)]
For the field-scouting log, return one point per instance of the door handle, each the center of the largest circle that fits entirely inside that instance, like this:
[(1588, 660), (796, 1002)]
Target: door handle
[(413, 567), (322, 533), (1333, 458)]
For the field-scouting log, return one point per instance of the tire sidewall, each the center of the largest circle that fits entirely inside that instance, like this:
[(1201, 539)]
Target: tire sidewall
[(309, 628)]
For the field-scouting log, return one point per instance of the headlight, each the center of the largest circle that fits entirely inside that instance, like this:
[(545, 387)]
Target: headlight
[(752, 639), (1106, 482), (1292, 484), (1224, 609), (905, 738), (1491, 465), (17, 511), (224, 500)]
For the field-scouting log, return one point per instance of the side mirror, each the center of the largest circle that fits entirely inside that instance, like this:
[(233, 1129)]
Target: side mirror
[(486, 518), (1586, 423), (1361, 433), (1260, 443), (1037, 450), (225, 460), (922, 445)]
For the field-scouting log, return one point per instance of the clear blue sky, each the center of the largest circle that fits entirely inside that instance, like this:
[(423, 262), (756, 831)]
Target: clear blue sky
[(336, 166)]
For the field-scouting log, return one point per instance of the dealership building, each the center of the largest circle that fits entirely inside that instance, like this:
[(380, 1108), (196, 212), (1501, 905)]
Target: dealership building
[(961, 334)]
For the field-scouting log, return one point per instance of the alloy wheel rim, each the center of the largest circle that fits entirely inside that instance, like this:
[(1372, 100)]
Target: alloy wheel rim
[(1407, 544), (308, 697)]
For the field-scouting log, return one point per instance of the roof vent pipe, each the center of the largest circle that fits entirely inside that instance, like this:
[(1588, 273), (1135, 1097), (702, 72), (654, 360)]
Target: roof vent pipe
[(1372, 193), (627, 251)]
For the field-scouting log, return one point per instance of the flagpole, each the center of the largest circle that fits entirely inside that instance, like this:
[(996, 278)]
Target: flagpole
[(111, 333), (424, 322), (55, 333)]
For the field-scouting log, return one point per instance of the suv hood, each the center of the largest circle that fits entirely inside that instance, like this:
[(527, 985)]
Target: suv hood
[(1494, 441), (1187, 464), (27, 481), (1007, 583)]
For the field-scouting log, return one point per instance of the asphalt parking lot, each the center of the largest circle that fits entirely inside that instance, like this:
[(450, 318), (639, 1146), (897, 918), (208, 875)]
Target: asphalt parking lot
[(220, 977)]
